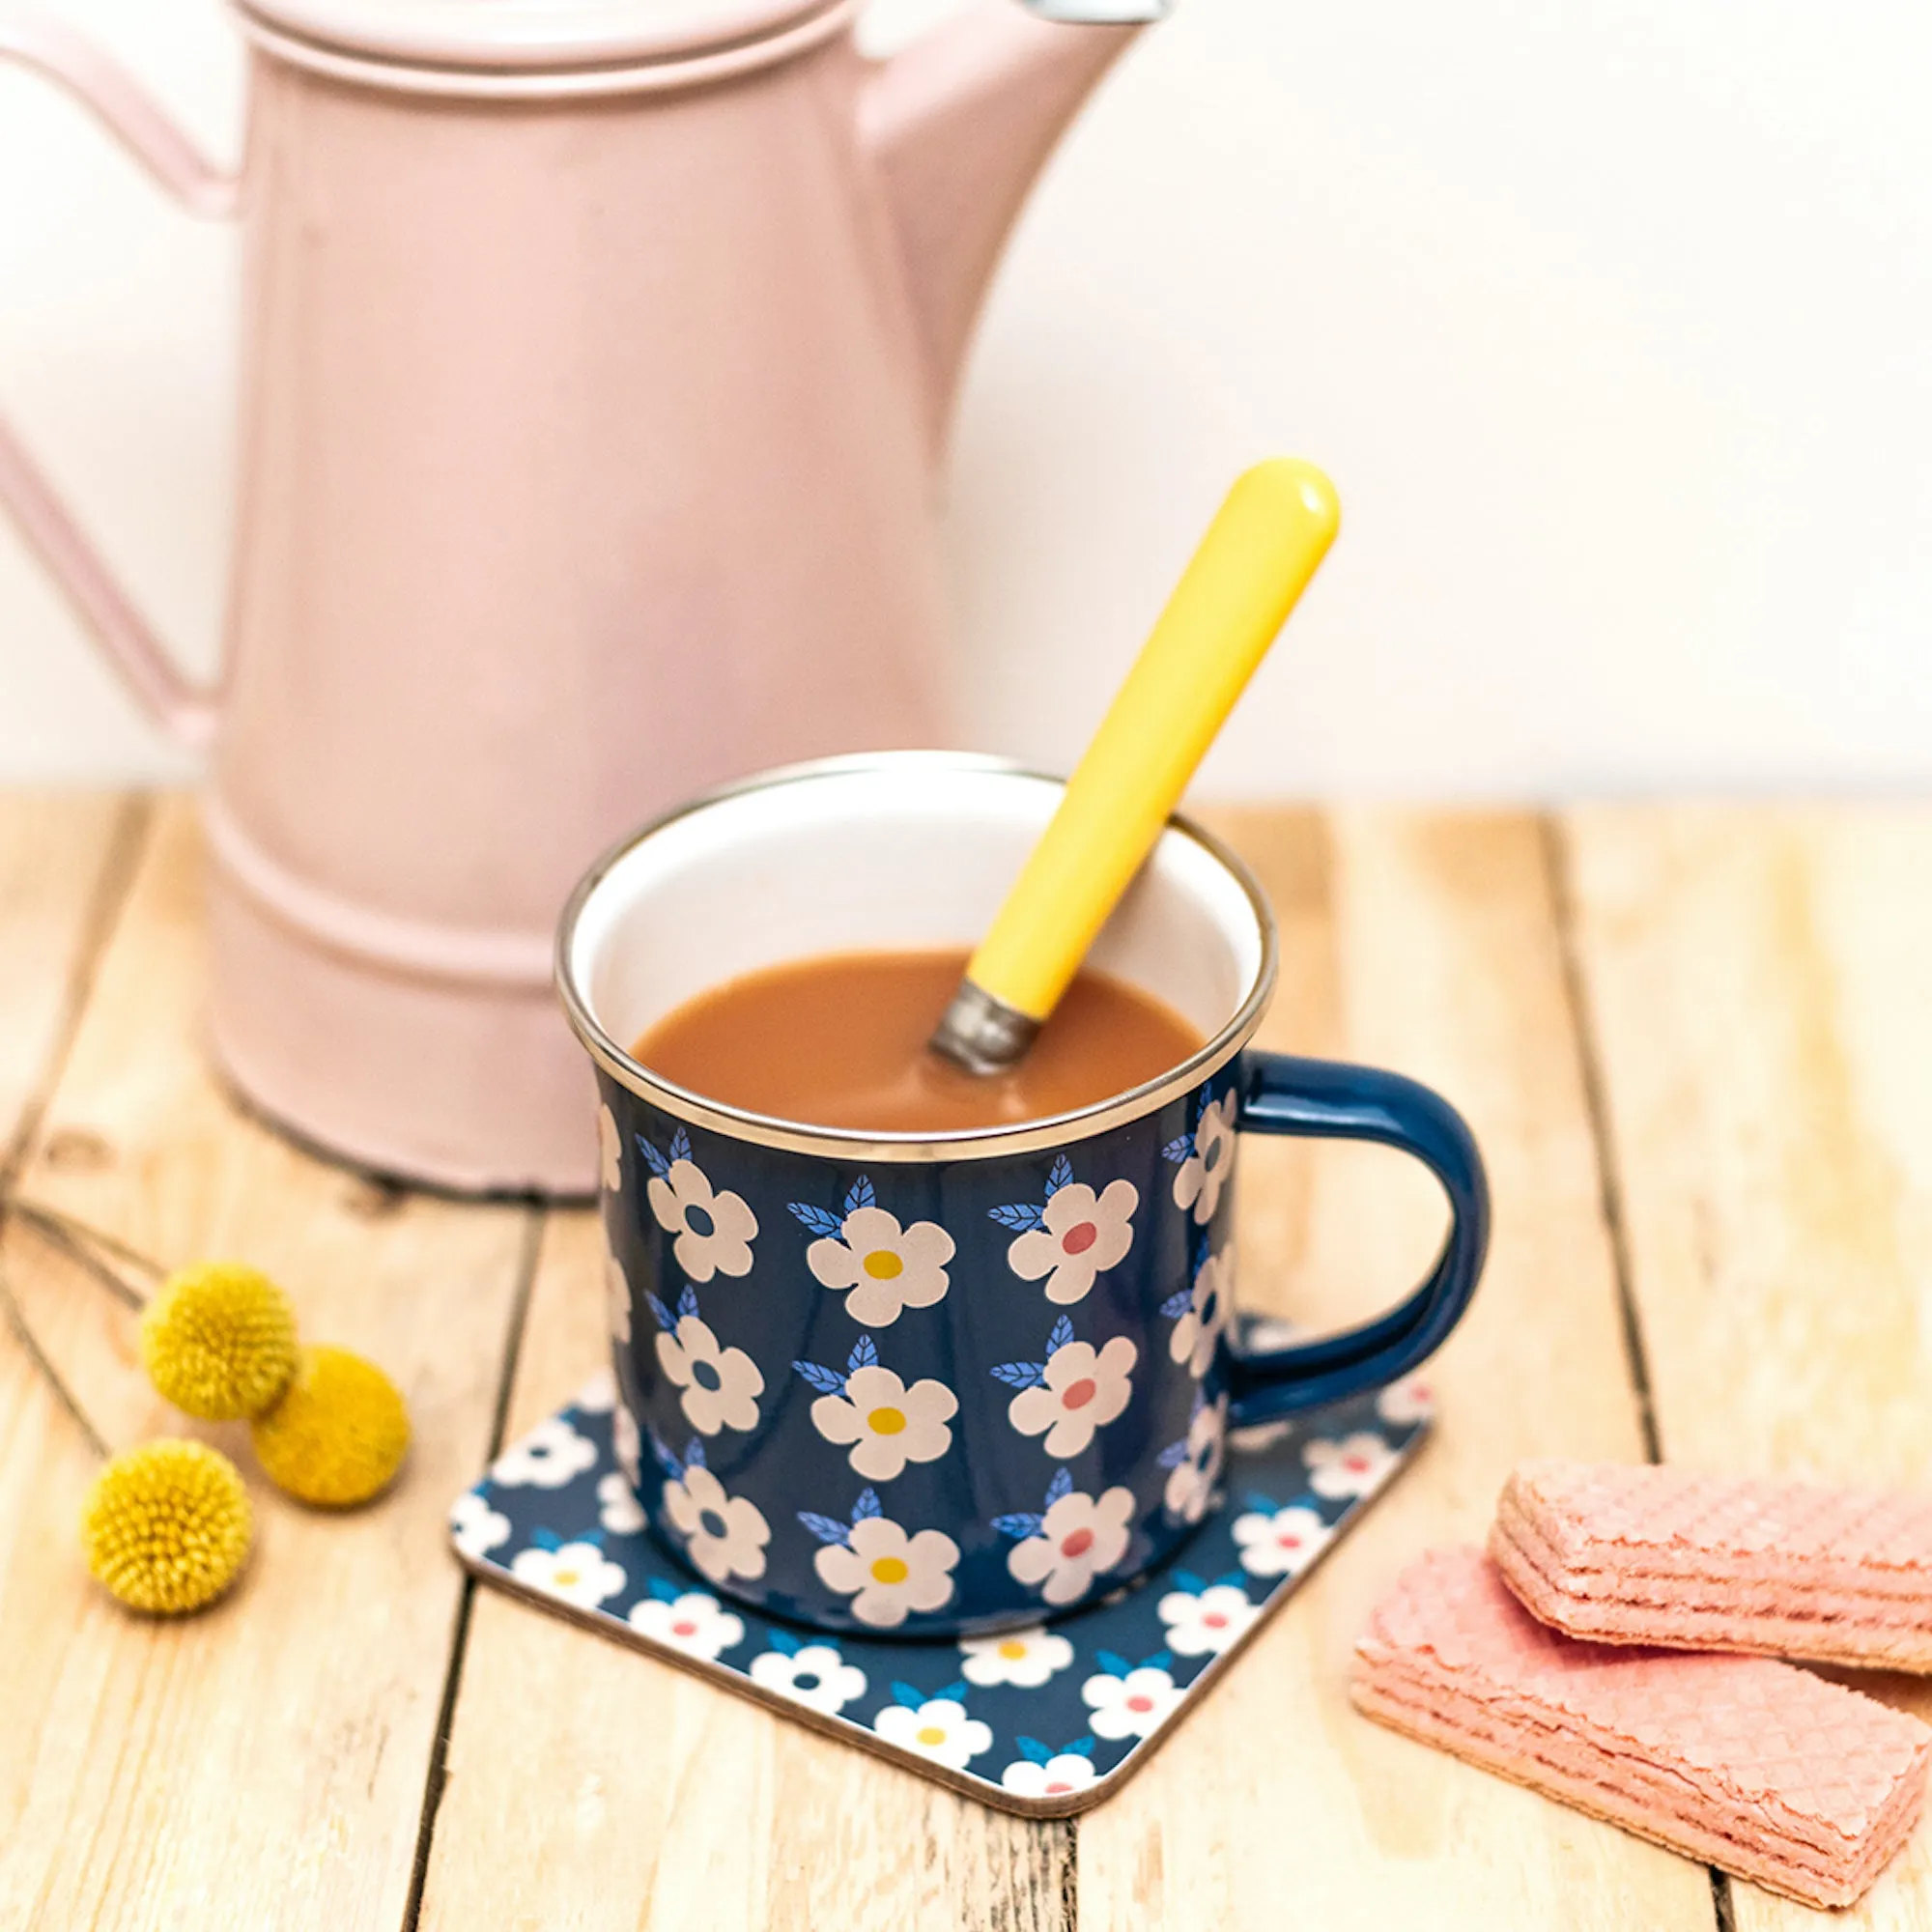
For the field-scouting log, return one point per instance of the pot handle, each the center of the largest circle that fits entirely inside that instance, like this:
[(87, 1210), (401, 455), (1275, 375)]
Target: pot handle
[(1325, 1099), (182, 710)]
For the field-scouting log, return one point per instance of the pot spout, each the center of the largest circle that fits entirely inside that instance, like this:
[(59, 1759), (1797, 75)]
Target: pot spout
[(958, 126)]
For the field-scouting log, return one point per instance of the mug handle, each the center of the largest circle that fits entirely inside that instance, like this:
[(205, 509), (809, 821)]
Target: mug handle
[(1326, 1099)]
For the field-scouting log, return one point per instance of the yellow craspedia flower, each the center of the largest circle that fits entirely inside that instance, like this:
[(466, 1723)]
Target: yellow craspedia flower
[(219, 1341), (338, 1434), (165, 1527)]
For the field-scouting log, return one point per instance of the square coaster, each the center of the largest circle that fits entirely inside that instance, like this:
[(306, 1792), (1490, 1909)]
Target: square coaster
[(1045, 1721)]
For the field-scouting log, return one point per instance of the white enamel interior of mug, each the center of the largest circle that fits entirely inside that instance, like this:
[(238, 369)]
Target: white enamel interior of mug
[(902, 851)]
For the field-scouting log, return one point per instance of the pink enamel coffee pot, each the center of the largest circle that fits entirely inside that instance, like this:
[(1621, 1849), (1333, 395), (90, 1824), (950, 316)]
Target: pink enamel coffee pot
[(597, 356)]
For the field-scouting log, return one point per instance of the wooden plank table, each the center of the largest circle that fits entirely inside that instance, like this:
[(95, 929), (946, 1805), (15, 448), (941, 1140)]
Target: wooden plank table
[(1696, 1045)]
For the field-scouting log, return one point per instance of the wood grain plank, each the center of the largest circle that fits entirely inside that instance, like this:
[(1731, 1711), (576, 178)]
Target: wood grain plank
[(1425, 942), (1759, 983), (264, 1764), (592, 1787)]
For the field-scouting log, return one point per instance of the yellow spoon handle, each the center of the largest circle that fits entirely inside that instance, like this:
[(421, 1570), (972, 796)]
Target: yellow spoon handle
[(1250, 569)]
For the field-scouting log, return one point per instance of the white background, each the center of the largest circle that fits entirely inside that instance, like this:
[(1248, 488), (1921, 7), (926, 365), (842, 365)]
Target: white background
[(1612, 320)]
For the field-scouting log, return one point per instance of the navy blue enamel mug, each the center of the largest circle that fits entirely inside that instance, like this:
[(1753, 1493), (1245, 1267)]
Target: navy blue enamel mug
[(928, 1385)]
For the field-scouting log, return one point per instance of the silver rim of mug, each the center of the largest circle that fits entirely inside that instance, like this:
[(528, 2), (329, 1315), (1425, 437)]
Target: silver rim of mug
[(957, 1144)]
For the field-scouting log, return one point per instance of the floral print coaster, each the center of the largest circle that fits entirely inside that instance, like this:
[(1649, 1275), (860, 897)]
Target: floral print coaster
[(1044, 1721)]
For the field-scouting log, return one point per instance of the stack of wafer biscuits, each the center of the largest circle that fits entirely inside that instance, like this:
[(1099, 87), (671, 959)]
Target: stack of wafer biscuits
[(1661, 1556), (1561, 1659)]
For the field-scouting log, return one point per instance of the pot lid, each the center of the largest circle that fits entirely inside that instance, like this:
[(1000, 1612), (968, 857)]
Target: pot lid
[(536, 34)]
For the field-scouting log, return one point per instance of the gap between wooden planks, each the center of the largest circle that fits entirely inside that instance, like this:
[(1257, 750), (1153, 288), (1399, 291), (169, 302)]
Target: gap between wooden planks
[(1759, 980), (262, 1765)]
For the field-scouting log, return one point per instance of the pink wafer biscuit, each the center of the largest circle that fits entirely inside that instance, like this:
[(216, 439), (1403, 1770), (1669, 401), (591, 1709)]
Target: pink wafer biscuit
[(1642, 1555), (1764, 1770)]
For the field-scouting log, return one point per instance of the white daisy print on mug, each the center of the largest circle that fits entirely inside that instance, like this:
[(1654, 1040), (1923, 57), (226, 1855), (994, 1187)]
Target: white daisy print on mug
[(935, 1728), (1205, 1158), (1041, 1772), (1025, 1658), (1194, 1463), (724, 1536), (714, 1227), (1075, 1539), (1200, 1313), (880, 1267), (1076, 1390), (887, 1573), (815, 1674), (578, 1574), (616, 1298), (692, 1621), (1074, 1236), (717, 1387), (870, 1410), (1130, 1700)]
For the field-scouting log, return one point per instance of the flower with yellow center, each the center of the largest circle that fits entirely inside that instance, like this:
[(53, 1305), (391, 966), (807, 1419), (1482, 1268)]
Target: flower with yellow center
[(1024, 1657), (219, 1341), (339, 1433), (884, 1421), (165, 1527)]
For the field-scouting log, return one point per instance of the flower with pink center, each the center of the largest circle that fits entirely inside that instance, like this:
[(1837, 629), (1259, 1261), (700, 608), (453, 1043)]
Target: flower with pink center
[(1056, 1775), (1354, 1466), (1207, 1622), (1076, 1539), (1076, 1237), (695, 1623), (1077, 1390), (1130, 1703), (1411, 1400), (1280, 1543)]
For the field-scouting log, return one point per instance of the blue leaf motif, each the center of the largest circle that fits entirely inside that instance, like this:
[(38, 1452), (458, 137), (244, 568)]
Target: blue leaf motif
[(687, 1302), (667, 1459), (659, 1314), (653, 1159), (1082, 1746), (867, 1504), (1178, 1148), (1254, 1501), (1112, 1663), (664, 1590), (1173, 1456), (1060, 1486), (859, 1195), (694, 1453), (1019, 1525), (1231, 1577), (1033, 1751), (1019, 1375), (783, 1641), (864, 1356), (1060, 1176), (1061, 1335), (821, 1221), (954, 1693), (1189, 1581), (827, 1382), (1018, 1216), (546, 1539), (907, 1694), (827, 1528), (680, 1146), (1178, 1304), (1159, 1661)]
